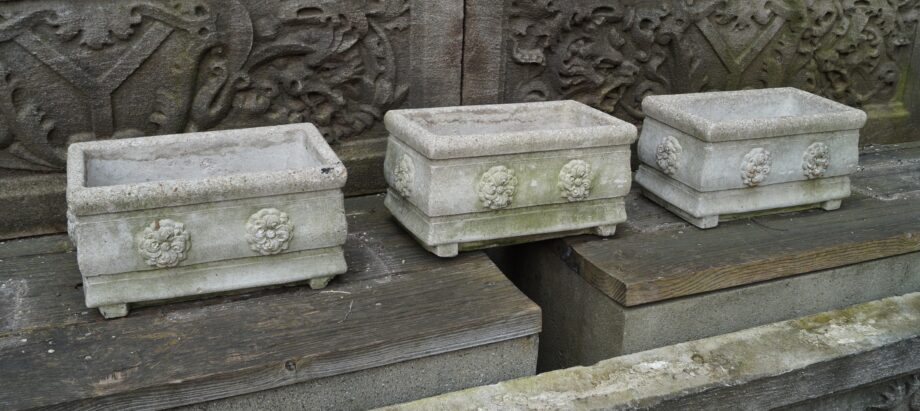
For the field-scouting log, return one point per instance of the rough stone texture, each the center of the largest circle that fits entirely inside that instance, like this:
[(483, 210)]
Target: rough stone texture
[(173, 216), (100, 69), (707, 155), (582, 325), (771, 366), (395, 383), (464, 177), (612, 53)]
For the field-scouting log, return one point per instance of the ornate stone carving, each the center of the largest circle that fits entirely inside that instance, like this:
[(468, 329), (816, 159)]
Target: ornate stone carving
[(575, 180), (206, 63), (815, 160), (269, 231), (611, 54), (164, 243), (902, 394), (403, 175), (667, 154), (755, 166), (496, 187)]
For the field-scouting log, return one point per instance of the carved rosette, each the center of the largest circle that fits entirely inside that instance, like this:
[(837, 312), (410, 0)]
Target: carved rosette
[(269, 231), (403, 175), (667, 154), (575, 180), (164, 243), (755, 166), (815, 160), (496, 187)]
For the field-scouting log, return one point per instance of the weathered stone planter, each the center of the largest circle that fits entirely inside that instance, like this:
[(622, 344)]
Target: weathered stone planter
[(156, 218), (708, 156), (475, 176)]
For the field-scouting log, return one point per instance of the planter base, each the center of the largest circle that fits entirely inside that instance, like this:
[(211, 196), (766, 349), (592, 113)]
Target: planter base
[(447, 235), (705, 209), (112, 293)]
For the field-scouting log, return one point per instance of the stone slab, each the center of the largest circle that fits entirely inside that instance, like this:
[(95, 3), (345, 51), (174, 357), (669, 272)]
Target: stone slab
[(386, 310), (872, 347), (395, 383)]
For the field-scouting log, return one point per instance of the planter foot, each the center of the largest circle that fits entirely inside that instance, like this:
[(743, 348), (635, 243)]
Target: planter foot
[(831, 205), (445, 250), (114, 310), (605, 230), (320, 282)]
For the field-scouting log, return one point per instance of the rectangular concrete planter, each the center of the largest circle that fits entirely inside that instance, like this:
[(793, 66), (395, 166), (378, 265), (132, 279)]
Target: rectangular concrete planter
[(710, 155), (475, 176), (162, 217)]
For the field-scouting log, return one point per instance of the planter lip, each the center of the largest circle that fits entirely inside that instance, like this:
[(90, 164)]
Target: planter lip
[(602, 130), (330, 174), (677, 110)]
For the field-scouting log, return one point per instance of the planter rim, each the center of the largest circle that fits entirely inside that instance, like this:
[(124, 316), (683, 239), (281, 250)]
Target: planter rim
[(330, 174), (677, 110), (603, 130)]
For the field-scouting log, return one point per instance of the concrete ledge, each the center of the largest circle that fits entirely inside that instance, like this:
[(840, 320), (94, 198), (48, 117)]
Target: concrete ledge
[(771, 366)]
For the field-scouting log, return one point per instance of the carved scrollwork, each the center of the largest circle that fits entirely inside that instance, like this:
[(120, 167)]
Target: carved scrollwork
[(756, 166), (496, 187), (667, 154), (611, 55), (269, 231), (815, 160), (164, 243), (222, 64), (575, 180), (403, 175)]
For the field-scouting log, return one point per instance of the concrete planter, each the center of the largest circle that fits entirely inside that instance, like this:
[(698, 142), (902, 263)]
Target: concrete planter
[(475, 176), (156, 218), (708, 156)]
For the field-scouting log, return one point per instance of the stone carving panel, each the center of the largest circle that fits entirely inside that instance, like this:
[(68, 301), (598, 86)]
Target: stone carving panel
[(612, 53), (97, 69)]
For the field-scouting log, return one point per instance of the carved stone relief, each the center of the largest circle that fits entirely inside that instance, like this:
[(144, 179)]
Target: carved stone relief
[(403, 175), (76, 71), (496, 187), (610, 54), (815, 160), (269, 231), (164, 243), (755, 166), (575, 180)]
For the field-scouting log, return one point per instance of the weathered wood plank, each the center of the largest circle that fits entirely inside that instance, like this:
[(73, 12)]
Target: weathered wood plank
[(397, 302), (658, 257), (639, 269)]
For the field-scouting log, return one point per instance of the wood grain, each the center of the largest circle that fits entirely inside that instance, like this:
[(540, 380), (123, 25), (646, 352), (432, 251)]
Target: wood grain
[(396, 303), (639, 268)]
